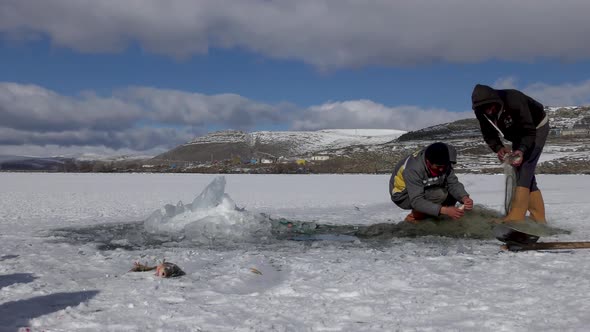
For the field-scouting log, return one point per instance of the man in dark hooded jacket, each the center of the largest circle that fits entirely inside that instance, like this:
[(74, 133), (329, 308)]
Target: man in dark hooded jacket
[(518, 118), (425, 183)]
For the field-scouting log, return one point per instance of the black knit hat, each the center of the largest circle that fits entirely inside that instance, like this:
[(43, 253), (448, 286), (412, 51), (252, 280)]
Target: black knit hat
[(437, 153)]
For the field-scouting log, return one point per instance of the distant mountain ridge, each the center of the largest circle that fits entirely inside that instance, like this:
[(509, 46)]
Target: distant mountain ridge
[(23, 163), (561, 118), (349, 150), (567, 149), (274, 144), (290, 144)]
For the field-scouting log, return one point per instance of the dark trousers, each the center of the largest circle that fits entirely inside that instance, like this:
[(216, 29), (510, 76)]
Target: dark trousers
[(525, 173)]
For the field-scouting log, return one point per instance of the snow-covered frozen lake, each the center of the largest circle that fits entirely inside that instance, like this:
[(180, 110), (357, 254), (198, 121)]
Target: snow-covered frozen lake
[(56, 274)]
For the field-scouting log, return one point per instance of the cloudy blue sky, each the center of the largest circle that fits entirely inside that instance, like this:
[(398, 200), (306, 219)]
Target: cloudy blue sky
[(142, 76)]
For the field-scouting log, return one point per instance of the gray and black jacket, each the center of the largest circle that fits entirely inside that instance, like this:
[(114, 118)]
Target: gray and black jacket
[(518, 118), (411, 178)]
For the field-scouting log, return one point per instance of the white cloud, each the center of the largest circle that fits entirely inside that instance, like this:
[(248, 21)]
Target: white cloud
[(139, 118), (71, 151), (509, 82), (139, 139), (179, 107), (567, 94), (31, 107), (368, 114), (325, 33), (148, 119)]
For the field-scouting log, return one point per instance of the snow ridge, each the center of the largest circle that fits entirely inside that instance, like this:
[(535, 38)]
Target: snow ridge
[(306, 141)]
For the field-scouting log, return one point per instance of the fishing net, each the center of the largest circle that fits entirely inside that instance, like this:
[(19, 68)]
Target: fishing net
[(510, 186)]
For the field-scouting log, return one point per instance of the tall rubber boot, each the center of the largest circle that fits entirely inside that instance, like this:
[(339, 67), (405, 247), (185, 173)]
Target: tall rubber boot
[(519, 205), (414, 217), (537, 207)]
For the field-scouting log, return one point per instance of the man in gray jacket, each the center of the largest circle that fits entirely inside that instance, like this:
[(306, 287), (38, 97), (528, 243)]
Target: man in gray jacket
[(425, 183)]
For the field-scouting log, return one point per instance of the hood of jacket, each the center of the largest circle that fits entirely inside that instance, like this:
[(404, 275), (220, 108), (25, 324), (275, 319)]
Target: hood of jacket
[(483, 94)]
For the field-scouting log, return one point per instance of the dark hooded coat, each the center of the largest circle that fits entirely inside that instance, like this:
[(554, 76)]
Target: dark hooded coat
[(517, 119)]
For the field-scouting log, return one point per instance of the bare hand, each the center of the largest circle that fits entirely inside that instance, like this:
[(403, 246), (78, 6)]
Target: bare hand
[(516, 158), (503, 152), (467, 203), (451, 211)]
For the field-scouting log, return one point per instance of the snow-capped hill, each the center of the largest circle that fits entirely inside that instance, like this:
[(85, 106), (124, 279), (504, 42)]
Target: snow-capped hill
[(559, 118), (568, 117), (321, 140), (557, 108), (459, 129), (223, 145), (224, 136), (106, 158), (376, 150), (300, 142), (365, 132)]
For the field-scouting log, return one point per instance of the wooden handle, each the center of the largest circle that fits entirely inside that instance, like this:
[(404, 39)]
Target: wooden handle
[(548, 246)]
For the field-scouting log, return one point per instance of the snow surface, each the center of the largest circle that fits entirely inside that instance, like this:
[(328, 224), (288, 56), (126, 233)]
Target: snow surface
[(56, 274)]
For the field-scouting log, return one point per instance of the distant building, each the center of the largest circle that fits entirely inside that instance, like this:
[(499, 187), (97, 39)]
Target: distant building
[(575, 132), (569, 132), (320, 158)]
